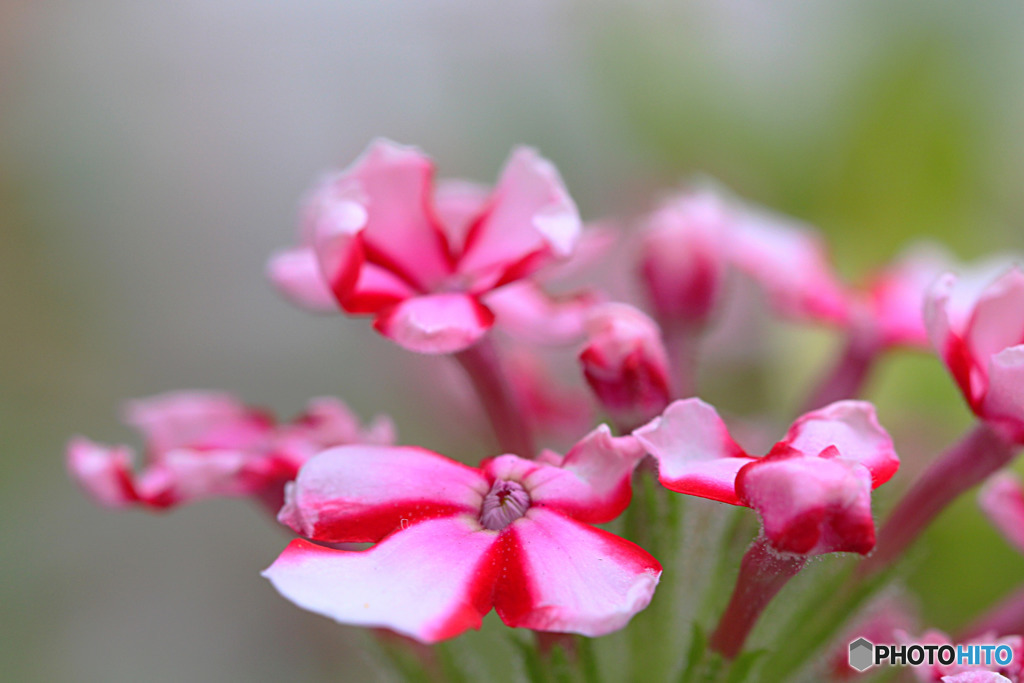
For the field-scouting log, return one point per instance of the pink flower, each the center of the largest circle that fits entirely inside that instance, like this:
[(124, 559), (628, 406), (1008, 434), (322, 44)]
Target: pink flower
[(969, 673), (684, 256), (453, 541), (890, 306), (204, 444), (977, 677), (812, 490), (387, 244), (625, 363), (1002, 501), (976, 322), (693, 240)]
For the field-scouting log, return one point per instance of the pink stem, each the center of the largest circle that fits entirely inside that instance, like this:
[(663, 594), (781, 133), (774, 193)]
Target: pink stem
[(682, 342), (763, 573), (495, 392), (1007, 618), (980, 453), (848, 375)]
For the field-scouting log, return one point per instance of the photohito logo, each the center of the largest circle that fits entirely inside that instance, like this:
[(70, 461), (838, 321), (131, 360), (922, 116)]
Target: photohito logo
[(864, 654)]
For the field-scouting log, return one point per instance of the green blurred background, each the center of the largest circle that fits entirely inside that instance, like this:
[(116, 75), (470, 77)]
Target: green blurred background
[(152, 156)]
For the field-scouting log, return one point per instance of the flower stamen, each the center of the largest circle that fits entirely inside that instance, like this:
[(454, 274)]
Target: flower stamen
[(506, 502)]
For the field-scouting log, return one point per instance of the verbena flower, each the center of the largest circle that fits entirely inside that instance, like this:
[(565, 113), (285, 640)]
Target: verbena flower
[(976, 322), (625, 363), (1002, 501), (812, 490), (382, 241), (453, 542), (205, 444)]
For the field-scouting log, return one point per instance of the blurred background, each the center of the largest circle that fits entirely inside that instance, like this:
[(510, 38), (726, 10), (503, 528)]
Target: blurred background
[(152, 155)]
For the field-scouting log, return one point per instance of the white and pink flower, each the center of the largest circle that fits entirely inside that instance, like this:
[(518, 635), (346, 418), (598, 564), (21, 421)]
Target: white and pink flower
[(1002, 500), (969, 673), (976, 323), (625, 363), (378, 239), (694, 239), (812, 490), (453, 542), (206, 444)]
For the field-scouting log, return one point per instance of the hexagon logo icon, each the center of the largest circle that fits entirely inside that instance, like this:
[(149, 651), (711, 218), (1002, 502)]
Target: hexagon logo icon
[(862, 653)]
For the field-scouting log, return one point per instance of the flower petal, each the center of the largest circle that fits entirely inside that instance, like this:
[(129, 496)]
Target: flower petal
[(296, 274), (694, 451), (591, 483), (430, 582), (527, 312), (363, 493), (997, 321), (530, 220), (437, 323), (976, 677), (197, 419), (683, 257), (564, 576), (852, 427), (400, 232), (790, 262), (1004, 401), (1002, 501), (811, 505), (896, 295), (458, 203), (104, 472)]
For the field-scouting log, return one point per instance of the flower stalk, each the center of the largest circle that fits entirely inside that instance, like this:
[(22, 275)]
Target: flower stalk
[(848, 375), (481, 363), (763, 573)]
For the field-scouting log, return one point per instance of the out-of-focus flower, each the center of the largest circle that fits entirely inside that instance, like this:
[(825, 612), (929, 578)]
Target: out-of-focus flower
[(420, 261), (625, 363), (812, 490), (693, 240), (204, 444), (969, 673), (977, 677), (890, 307), (684, 256), (453, 542), (879, 623), (976, 323), (1002, 501)]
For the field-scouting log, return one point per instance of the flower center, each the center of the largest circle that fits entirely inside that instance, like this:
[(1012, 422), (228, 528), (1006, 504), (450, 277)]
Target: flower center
[(506, 502)]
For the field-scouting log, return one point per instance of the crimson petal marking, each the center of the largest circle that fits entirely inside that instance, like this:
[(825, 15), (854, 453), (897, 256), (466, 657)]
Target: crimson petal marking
[(531, 220), (565, 576), (397, 183), (852, 427), (430, 582), (361, 493), (695, 453), (436, 323)]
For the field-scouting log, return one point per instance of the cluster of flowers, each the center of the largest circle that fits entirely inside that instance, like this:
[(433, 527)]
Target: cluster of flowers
[(457, 269)]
